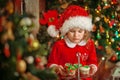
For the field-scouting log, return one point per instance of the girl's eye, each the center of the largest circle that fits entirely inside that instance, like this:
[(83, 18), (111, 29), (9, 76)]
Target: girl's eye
[(80, 31), (72, 31), (76, 30)]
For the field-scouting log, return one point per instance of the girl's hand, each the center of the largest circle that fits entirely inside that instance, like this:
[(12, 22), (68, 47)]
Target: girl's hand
[(63, 73), (60, 70), (93, 69)]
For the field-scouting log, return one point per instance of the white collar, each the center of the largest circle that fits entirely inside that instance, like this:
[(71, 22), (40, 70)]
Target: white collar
[(72, 45)]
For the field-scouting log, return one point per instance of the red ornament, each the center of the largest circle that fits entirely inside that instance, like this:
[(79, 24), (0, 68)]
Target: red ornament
[(118, 48), (114, 2), (100, 47), (6, 50), (94, 28), (102, 29), (37, 60), (113, 58), (30, 41), (99, 8), (19, 56), (111, 23)]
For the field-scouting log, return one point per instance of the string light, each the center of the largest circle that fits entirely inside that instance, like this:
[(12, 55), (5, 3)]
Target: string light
[(103, 58)]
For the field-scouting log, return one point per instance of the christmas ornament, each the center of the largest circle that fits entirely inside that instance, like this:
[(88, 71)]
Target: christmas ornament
[(111, 23), (30, 39), (34, 45), (107, 34), (43, 60), (101, 29), (7, 50), (97, 19), (113, 2), (94, 28), (106, 4), (118, 48), (10, 35), (29, 59), (19, 56), (26, 21), (37, 60), (116, 34), (97, 11), (100, 47), (21, 66), (113, 58), (98, 35), (99, 7)]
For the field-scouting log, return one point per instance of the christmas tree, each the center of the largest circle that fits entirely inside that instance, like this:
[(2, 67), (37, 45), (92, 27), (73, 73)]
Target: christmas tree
[(106, 25), (107, 28), (22, 55)]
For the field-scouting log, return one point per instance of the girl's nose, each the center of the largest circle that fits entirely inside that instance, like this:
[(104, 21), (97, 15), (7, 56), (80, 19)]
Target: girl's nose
[(76, 34)]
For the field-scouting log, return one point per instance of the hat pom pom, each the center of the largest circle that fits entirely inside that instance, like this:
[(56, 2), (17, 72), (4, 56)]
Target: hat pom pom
[(52, 31)]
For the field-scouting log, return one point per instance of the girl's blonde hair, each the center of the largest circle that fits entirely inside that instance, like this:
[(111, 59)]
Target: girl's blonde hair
[(87, 35)]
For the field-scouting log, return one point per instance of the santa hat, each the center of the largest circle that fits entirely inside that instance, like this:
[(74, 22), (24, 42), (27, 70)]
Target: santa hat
[(73, 16)]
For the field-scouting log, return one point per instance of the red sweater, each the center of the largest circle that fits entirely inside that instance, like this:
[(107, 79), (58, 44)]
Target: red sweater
[(61, 54)]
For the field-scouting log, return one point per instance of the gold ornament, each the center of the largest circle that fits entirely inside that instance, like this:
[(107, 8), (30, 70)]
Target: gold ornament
[(21, 66), (34, 45), (97, 11)]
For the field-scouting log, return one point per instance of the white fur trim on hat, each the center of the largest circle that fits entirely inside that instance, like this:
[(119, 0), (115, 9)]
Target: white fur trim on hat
[(52, 31), (76, 21)]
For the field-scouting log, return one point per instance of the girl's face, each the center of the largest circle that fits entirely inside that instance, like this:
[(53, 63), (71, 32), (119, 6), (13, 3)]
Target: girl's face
[(75, 35)]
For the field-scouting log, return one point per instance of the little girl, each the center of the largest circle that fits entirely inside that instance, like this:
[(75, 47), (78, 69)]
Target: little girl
[(75, 25)]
